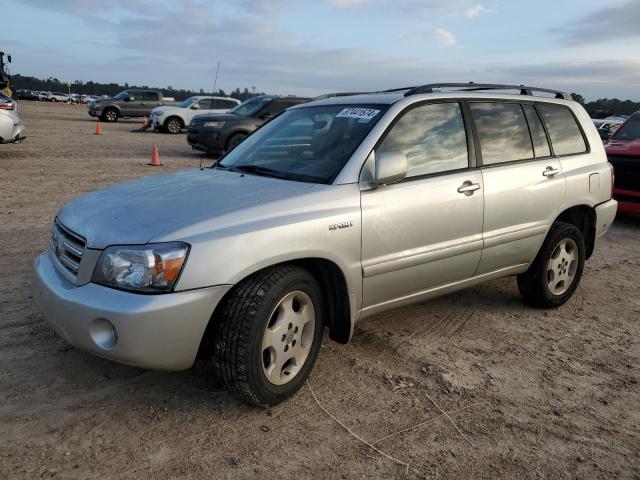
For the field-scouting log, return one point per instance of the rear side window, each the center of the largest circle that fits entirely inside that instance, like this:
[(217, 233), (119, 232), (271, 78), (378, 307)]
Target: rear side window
[(432, 137), (564, 132), (226, 104), (149, 96), (538, 137), (630, 130), (503, 132)]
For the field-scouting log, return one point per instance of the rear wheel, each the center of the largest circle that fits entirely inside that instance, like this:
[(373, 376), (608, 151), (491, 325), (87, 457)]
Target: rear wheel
[(173, 125), (555, 273), (110, 115), (268, 335)]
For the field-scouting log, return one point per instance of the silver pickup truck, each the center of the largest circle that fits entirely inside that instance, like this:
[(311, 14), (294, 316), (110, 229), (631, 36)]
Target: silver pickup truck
[(333, 211)]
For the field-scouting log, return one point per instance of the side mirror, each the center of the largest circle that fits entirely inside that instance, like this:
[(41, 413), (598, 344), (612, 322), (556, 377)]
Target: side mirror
[(9, 58), (390, 167), (128, 99), (265, 116), (195, 106)]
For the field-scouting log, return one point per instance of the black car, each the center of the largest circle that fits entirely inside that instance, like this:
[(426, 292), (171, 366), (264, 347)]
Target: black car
[(215, 134)]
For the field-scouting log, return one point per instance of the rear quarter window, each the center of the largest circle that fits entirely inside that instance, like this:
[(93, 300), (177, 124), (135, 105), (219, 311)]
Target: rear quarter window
[(564, 132)]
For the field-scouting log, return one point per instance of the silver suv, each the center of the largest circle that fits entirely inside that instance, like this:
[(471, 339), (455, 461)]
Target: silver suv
[(333, 211)]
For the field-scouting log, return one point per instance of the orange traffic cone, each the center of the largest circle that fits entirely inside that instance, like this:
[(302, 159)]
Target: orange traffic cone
[(145, 121), (98, 128), (155, 158)]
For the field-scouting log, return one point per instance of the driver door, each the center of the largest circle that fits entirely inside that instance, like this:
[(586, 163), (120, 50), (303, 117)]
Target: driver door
[(426, 230)]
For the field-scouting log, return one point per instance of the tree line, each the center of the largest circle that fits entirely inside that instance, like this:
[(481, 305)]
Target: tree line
[(605, 107), (53, 84)]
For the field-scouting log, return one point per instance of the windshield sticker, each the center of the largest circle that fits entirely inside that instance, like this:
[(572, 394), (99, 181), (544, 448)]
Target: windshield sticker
[(364, 115)]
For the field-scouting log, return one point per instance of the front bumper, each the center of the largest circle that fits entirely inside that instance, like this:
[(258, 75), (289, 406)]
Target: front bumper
[(150, 331), (605, 214), (205, 140)]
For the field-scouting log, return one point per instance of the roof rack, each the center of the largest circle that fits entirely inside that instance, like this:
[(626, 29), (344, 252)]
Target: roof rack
[(471, 86)]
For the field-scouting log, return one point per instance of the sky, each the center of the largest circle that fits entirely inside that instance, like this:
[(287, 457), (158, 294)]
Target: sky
[(311, 47)]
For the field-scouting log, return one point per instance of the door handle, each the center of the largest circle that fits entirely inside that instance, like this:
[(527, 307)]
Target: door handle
[(551, 172), (468, 188)]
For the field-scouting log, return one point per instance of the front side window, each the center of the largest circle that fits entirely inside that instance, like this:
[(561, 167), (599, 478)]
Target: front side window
[(432, 137), (630, 130), (565, 135), (205, 104), (309, 144), (503, 132), (187, 103), (121, 95)]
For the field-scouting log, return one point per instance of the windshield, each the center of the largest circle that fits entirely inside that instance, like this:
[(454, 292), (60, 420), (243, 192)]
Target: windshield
[(309, 144), (186, 103), (121, 95), (248, 108), (629, 130)]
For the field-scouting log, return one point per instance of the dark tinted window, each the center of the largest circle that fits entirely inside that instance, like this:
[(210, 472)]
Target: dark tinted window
[(224, 104), (539, 138), (563, 130), (432, 137), (503, 132), (629, 130), (149, 96), (205, 104)]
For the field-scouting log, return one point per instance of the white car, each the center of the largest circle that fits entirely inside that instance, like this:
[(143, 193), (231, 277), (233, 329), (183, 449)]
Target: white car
[(57, 97), (172, 119), (11, 127)]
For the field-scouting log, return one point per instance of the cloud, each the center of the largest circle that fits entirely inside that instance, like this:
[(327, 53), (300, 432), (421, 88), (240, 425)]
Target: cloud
[(613, 22), (345, 3), (475, 10), (445, 37)]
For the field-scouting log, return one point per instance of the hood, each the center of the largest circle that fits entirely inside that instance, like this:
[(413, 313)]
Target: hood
[(164, 108), (623, 147), (140, 211), (221, 117)]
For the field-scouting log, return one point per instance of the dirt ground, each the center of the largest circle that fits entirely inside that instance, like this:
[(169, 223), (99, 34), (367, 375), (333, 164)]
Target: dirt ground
[(534, 394)]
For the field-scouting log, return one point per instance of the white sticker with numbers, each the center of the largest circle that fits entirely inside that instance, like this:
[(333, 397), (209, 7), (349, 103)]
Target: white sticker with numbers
[(364, 115)]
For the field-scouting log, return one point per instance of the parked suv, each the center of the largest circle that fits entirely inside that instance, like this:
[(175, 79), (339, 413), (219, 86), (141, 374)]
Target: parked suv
[(172, 119), (336, 210), (129, 103), (215, 134), (623, 151)]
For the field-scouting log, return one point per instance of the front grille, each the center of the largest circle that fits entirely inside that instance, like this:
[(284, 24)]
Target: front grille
[(627, 171), (67, 247)]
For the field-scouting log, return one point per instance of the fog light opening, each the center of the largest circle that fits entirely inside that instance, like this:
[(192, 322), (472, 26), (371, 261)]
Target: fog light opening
[(103, 333)]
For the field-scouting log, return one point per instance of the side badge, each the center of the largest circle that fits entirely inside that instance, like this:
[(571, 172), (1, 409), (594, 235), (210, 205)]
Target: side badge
[(337, 226)]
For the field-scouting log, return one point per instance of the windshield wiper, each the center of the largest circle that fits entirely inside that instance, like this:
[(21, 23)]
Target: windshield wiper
[(260, 170)]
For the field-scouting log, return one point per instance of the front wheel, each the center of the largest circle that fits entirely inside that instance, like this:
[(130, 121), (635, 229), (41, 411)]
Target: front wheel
[(268, 335), (173, 125), (555, 273), (110, 115)]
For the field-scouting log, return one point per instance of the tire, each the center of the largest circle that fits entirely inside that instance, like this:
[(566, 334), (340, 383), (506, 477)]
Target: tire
[(259, 336), (173, 125), (234, 140), (556, 271), (110, 115)]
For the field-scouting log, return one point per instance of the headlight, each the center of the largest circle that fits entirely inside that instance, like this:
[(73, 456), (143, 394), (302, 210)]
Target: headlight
[(157, 114), (214, 124), (152, 268)]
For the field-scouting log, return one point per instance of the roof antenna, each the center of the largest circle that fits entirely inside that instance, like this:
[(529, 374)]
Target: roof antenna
[(215, 82)]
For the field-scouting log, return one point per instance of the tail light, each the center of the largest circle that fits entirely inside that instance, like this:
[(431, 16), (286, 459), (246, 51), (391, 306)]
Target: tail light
[(613, 179), (7, 106)]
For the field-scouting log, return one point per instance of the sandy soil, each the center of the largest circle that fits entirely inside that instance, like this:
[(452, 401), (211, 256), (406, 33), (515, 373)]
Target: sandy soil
[(545, 394)]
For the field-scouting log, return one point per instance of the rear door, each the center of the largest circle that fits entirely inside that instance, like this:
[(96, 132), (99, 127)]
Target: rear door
[(147, 102), (426, 230), (523, 182)]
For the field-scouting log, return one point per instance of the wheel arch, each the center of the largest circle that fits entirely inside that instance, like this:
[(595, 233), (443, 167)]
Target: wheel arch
[(173, 115), (584, 218), (337, 308)]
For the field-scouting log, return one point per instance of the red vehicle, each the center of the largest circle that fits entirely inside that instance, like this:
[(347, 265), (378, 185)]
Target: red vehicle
[(623, 151)]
